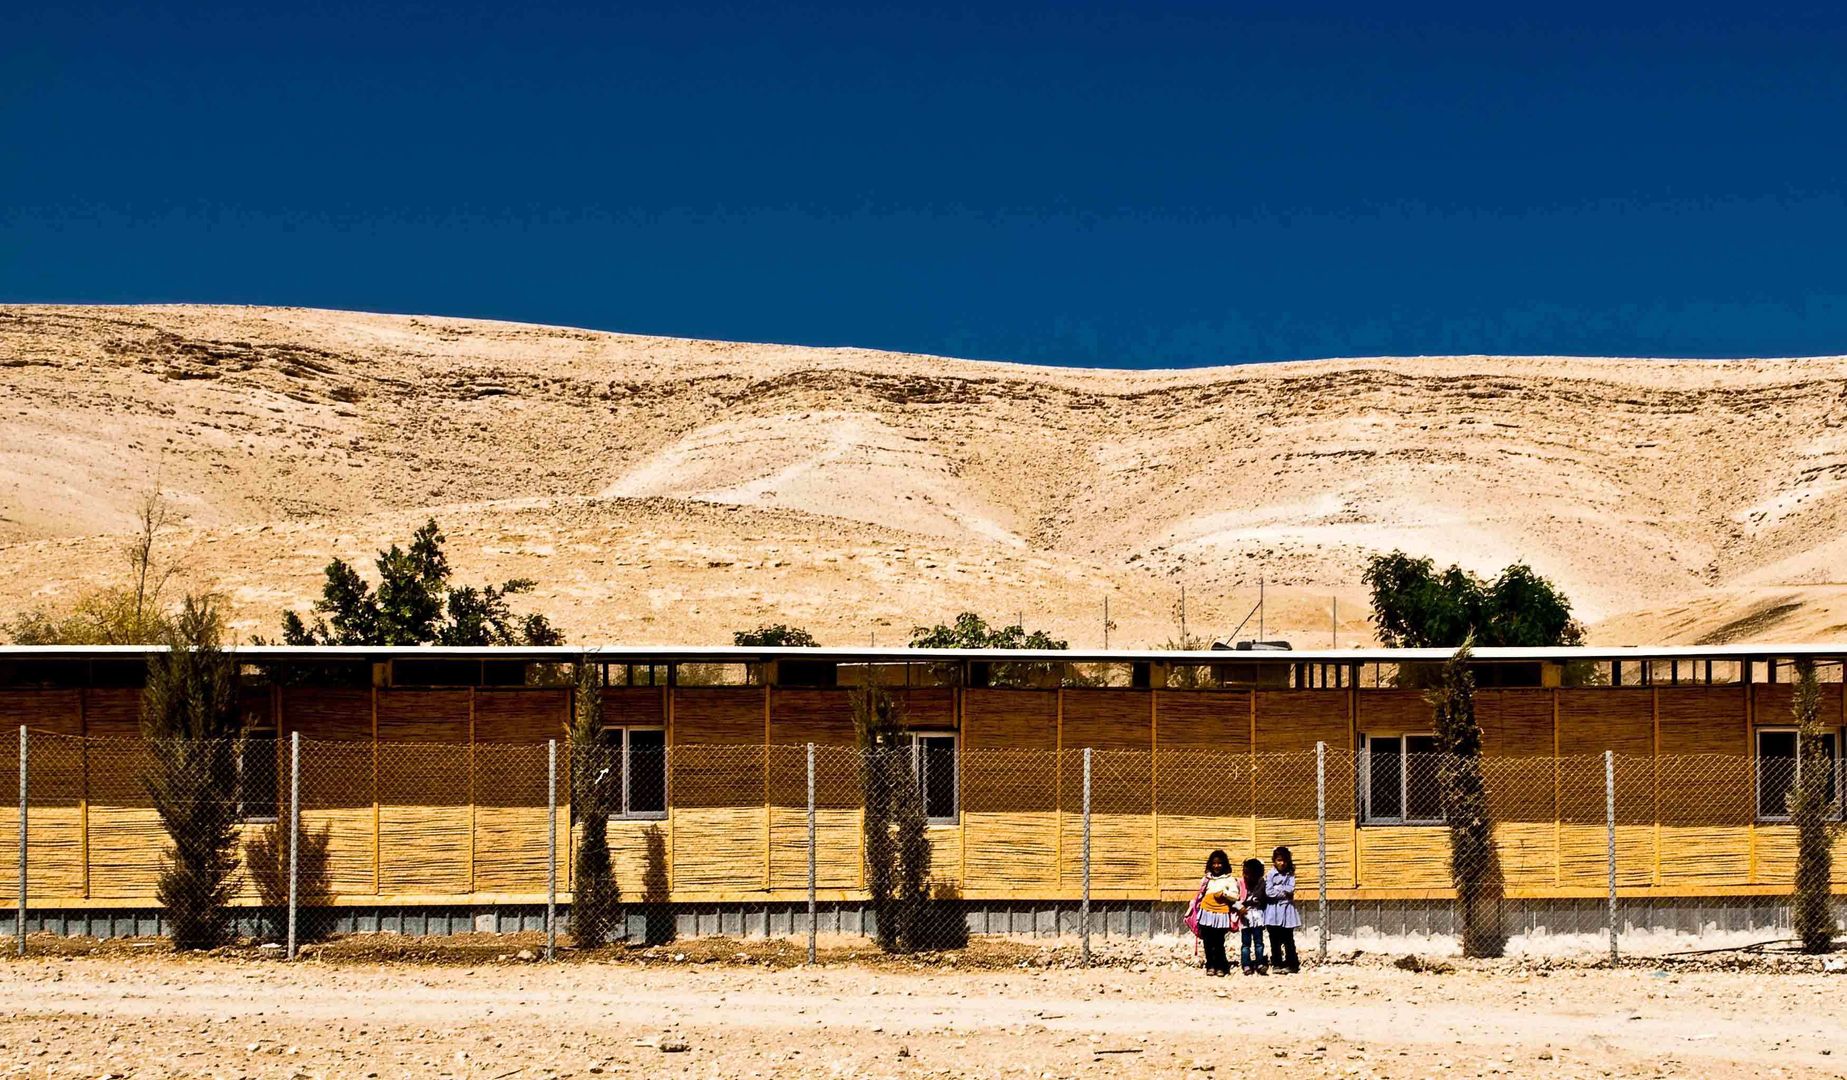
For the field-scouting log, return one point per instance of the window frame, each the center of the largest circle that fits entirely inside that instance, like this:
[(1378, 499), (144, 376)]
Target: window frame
[(626, 758), (1366, 817), (270, 733), (1835, 807), (918, 762)]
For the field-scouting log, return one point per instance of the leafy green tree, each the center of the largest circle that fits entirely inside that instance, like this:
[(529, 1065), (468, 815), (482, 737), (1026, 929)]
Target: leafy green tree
[(1809, 811), (596, 899), (1415, 605), (1474, 860), (190, 721), (971, 631), (777, 636), (415, 604)]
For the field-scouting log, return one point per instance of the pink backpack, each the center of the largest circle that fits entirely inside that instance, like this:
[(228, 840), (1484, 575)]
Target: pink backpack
[(1192, 909)]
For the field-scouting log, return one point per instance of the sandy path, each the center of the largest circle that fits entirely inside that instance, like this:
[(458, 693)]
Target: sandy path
[(159, 1017)]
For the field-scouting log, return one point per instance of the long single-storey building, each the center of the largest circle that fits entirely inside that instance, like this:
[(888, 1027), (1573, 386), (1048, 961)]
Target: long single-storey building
[(424, 778)]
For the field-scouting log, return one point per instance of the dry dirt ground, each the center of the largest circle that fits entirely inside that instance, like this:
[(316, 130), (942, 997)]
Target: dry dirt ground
[(664, 490), (115, 1013)]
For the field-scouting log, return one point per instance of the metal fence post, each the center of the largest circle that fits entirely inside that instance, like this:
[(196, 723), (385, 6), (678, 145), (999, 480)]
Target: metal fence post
[(1321, 843), (1609, 813), (20, 917), (811, 856), (294, 834), (1083, 917), (551, 849)]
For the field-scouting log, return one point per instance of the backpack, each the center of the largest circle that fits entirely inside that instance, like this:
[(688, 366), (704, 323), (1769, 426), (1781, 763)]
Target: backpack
[(1192, 909)]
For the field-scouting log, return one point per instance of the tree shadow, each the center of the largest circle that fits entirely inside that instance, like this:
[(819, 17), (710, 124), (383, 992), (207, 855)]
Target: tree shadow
[(266, 857)]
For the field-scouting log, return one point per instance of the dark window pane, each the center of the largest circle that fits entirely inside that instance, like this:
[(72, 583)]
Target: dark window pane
[(1423, 798), (256, 776), (1828, 747), (939, 775), (1776, 772), (647, 764), (1384, 777)]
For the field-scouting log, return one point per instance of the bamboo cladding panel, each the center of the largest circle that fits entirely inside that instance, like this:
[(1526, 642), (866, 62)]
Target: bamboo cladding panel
[(838, 819), (1391, 712), (1522, 800), (1705, 785), (1404, 857), (339, 813), (55, 711), (124, 840), (1776, 854), (510, 814), (1591, 721), (1009, 773), (713, 716), (1108, 720), (1774, 704), (1286, 796), (1118, 727), (327, 714), (823, 717), (1202, 780), (1293, 721), (638, 857), (642, 706), (1515, 723), (932, 707), (717, 780), (425, 813), (521, 716)]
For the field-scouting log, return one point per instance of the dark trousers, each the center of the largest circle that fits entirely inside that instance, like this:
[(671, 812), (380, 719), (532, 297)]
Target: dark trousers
[(1250, 947), (1213, 938), (1282, 948)]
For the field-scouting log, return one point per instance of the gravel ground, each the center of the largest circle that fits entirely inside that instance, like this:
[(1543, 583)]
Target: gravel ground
[(387, 1007)]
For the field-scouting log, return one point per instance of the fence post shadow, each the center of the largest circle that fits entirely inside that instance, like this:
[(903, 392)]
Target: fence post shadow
[(656, 908)]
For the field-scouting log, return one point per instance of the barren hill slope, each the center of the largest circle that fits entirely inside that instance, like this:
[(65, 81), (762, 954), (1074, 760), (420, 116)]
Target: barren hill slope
[(663, 489)]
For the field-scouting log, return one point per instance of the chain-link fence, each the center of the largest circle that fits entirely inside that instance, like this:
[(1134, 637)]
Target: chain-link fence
[(917, 844)]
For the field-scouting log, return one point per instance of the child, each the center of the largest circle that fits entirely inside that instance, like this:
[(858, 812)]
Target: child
[(1250, 914), (1217, 894), (1279, 914)]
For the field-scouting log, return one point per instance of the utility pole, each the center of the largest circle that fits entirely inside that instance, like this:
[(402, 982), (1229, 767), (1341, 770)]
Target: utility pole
[(1260, 634), (1107, 625)]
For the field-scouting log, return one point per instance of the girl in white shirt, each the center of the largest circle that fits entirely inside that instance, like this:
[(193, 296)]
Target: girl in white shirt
[(1280, 916)]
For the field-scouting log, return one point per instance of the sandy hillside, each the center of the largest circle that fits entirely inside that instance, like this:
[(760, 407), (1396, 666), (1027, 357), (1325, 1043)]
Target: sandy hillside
[(663, 489)]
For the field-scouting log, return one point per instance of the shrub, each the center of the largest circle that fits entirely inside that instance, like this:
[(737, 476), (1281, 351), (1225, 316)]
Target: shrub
[(1474, 862), (189, 718), (1808, 811), (596, 898)]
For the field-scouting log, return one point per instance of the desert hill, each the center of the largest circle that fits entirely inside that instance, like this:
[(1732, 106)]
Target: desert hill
[(665, 490)]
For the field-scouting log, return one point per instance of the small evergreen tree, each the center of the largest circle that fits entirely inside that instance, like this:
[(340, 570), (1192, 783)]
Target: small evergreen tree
[(415, 604), (596, 899), (189, 718), (897, 845), (1474, 861), (1808, 810)]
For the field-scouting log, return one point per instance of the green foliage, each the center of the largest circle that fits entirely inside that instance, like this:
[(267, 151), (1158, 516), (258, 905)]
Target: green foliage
[(1417, 606), (777, 636), (124, 613), (189, 718), (971, 631), (1474, 861), (596, 899), (1809, 812), (897, 843), (415, 604)]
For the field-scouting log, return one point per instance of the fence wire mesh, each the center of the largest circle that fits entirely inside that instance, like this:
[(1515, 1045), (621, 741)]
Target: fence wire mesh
[(916, 844)]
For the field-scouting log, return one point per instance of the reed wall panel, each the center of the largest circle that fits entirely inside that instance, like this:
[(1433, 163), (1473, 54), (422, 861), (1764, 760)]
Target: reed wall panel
[(1593, 720), (1293, 721), (1404, 857), (1706, 787), (330, 715), (1202, 780), (425, 840), (1009, 789), (57, 712), (1289, 725), (1515, 723), (717, 778), (634, 706), (1391, 712), (1118, 727), (1775, 704), (125, 840)]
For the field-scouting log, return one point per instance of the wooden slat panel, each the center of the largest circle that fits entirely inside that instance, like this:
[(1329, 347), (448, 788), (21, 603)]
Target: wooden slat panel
[(1289, 724), (1404, 856), (126, 843), (55, 711), (716, 779), (424, 812), (1706, 786), (1390, 711), (1204, 780), (1118, 727), (644, 706), (337, 790), (825, 718), (1009, 788), (1775, 706), (521, 716), (1590, 722), (1293, 721), (1515, 723)]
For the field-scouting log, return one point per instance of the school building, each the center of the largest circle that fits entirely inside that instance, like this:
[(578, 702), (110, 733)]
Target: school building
[(425, 772)]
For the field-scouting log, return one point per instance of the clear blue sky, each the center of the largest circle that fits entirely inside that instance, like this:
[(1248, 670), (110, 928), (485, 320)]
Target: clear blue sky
[(1128, 185)]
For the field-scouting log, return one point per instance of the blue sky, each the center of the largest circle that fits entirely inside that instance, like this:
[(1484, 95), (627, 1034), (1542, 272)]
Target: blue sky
[(1132, 185)]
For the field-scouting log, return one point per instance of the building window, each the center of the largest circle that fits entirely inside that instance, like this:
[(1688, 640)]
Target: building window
[(1398, 780), (1779, 770), (257, 779), (933, 759), (639, 757)]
